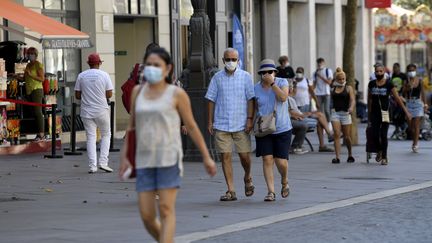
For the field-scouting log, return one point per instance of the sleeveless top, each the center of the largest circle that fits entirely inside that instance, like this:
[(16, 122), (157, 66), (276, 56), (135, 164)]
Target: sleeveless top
[(415, 93), (341, 101), (157, 126)]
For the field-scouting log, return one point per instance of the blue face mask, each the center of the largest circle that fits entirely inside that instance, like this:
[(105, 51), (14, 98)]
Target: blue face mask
[(153, 75)]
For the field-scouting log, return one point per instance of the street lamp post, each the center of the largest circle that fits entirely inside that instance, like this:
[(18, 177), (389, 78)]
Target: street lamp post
[(196, 77)]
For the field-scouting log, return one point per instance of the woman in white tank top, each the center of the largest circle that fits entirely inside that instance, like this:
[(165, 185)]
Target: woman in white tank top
[(157, 108)]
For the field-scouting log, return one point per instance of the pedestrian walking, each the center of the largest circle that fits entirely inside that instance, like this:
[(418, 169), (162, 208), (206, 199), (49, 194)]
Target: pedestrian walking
[(379, 92), (93, 87), (157, 108), (230, 119), (271, 96), (414, 95), (285, 70), (323, 78), (343, 98), (398, 78), (34, 76)]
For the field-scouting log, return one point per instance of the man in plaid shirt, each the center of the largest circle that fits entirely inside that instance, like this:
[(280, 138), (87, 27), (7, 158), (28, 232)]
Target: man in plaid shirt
[(230, 119)]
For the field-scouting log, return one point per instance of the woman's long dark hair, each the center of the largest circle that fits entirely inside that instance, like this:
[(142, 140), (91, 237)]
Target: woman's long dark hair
[(165, 56)]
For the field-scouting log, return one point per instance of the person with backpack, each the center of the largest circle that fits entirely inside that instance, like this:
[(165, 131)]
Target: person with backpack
[(323, 78)]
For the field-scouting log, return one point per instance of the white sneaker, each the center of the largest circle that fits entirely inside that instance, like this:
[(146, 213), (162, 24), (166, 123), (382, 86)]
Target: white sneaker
[(300, 151), (92, 170), (415, 149), (106, 168)]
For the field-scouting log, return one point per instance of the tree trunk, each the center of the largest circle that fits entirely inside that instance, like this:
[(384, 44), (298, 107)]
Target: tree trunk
[(348, 56)]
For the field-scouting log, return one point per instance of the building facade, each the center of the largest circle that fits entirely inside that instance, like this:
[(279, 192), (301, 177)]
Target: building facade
[(120, 30)]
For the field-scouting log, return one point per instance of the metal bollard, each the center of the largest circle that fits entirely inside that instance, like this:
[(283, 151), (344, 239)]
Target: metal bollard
[(53, 134), (73, 133), (112, 149)]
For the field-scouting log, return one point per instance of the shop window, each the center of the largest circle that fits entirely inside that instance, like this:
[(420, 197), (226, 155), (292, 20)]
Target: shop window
[(134, 7)]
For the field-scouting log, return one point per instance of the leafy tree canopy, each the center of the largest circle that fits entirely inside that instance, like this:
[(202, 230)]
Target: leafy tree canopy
[(412, 4)]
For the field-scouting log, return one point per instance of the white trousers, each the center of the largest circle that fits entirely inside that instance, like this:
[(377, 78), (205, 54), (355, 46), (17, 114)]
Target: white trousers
[(91, 124)]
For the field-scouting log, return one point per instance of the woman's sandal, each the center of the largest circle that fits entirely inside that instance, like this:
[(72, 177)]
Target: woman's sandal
[(229, 196), (249, 187), (285, 191), (271, 197)]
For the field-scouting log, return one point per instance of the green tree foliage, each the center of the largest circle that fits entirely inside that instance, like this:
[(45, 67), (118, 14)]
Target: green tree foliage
[(412, 4)]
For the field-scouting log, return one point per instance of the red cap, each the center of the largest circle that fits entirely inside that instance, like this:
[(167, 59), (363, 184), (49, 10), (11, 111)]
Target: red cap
[(94, 59)]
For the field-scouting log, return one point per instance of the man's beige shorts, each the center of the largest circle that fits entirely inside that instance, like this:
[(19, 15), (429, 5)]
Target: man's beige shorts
[(224, 142)]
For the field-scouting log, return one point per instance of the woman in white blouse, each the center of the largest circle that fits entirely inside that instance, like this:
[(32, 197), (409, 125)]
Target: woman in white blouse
[(305, 91)]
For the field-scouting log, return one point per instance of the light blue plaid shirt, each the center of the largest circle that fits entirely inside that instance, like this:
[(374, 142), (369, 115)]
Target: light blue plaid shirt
[(230, 95)]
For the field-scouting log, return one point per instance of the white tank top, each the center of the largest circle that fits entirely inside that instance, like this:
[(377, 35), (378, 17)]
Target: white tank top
[(302, 96), (157, 126)]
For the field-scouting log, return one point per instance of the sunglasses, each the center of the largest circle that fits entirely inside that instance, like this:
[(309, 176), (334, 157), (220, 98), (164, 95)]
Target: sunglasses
[(230, 59), (266, 72)]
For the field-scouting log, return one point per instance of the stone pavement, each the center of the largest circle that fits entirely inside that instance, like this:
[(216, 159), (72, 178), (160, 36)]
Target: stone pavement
[(57, 201)]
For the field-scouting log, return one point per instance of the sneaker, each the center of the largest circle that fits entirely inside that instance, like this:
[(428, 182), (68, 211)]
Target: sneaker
[(330, 138), (335, 161), (300, 151), (106, 168), (92, 170), (350, 159), (415, 149), (325, 149), (384, 161)]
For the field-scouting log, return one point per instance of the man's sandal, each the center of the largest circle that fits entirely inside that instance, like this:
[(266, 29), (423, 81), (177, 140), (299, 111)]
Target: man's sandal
[(249, 187), (229, 196), (285, 191), (271, 197)]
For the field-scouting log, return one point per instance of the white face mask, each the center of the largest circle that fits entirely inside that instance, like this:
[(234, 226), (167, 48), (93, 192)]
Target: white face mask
[(231, 66), (412, 74), (337, 84), (299, 75), (153, 75)]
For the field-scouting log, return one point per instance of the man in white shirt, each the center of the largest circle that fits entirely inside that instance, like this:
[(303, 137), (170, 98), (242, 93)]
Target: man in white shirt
[(323, 78), (93, 87)]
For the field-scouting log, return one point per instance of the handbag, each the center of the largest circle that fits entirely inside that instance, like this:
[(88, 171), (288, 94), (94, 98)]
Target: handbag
[(265, 125), (385, 115), (131, 141)]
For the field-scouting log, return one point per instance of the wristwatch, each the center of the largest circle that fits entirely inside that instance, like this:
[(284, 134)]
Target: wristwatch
[(272, 84)]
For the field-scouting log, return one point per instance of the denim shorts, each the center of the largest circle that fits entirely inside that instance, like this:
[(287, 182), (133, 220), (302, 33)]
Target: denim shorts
[(153, 179), (415, 107), (341, 116), (277, 145)]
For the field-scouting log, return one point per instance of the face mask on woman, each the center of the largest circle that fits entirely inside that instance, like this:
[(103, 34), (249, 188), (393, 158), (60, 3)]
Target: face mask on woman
[(32, 57), (379, 76), (337, 84), (299, 76), (153, 75), (412, 74)]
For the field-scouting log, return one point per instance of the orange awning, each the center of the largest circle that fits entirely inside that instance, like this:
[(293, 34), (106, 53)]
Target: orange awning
[(53, 34)]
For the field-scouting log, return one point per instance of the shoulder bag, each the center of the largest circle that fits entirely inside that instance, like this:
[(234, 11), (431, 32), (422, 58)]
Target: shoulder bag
[(265, 125)]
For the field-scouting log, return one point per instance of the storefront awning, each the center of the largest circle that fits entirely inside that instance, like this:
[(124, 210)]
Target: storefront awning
[(52, 34)]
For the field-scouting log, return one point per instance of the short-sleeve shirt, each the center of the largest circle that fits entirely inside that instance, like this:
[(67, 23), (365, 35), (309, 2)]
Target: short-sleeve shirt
[(380, 95), (30, 83), (266, 99), (321, 87), (230, 93), (302, 96), (93, 84)]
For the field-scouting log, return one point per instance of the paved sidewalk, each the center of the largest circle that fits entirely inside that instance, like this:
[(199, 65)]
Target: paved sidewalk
[(57, 201)]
